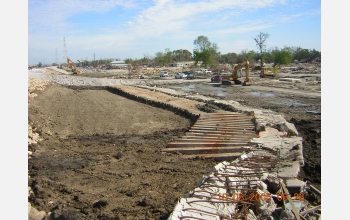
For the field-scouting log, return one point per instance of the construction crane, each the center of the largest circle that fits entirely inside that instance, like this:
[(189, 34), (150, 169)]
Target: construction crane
[(71, 65), (234, 76)]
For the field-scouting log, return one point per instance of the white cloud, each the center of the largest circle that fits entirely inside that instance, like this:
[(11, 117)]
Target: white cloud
[(54, 13), (169, 16), (161, 19)]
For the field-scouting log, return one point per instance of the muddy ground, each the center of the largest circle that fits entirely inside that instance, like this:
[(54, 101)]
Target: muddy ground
[(100, 155)]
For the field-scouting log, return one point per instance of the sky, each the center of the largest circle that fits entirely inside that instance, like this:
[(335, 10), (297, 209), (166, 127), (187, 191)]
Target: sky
[(121, 29)]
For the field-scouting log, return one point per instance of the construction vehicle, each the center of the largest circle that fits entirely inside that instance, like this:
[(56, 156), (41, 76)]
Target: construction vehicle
[(235, 76), (268, 72), (72, 66)]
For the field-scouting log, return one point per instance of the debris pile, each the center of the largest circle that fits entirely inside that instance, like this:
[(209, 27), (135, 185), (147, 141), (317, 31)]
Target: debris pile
[(33, 139), (36, 85), (247, 188)]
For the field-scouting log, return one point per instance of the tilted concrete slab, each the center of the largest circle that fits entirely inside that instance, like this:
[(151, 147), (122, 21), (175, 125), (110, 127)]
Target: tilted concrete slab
[(289, 148), (288, 170)]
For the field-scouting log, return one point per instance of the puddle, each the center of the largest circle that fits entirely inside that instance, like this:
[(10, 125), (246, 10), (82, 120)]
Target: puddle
[(295, 104), (262, 94), (214, 89)]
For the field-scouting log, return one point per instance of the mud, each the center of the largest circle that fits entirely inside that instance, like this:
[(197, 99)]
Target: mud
[(100, 157)]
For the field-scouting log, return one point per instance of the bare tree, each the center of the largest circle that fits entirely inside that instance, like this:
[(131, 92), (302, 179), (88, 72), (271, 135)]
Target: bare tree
[(260, 43), (147, 57)]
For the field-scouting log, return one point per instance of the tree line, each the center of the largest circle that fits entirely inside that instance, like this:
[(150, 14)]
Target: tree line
[(207, 53)]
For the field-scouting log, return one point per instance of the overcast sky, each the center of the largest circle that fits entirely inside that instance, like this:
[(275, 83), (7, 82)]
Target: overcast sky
[(122, 29)]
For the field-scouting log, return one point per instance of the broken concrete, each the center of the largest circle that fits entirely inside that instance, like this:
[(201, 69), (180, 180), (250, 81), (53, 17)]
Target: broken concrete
[(241, 181)]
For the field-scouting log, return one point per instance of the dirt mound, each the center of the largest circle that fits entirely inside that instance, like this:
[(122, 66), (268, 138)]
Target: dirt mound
[(101, 158)]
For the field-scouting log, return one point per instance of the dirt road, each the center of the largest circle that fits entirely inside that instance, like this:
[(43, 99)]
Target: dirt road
[(100, 155)]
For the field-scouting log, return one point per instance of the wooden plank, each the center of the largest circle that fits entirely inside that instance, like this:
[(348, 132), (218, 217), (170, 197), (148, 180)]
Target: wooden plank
[(207, 150), (232, 127), (204, 144), (208, 134), (213, 138), (218, 156), (225, 118), (311, 210), (223, 121), (210, 140), (296, 214), (220, 131), (223, 115)]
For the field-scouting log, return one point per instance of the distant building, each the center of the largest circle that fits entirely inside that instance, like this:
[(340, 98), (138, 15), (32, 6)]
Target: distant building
[(183, 64), (119, 64)]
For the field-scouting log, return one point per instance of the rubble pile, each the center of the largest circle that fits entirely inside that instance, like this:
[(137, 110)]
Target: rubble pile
[(33, 139), (35, 85), (247, 188)]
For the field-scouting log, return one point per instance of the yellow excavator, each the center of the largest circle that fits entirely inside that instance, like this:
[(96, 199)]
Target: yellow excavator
[(234, 76), (268, 72), (71, 65)]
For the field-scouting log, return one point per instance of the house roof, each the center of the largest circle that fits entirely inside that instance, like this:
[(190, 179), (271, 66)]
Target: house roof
[(118, 62)]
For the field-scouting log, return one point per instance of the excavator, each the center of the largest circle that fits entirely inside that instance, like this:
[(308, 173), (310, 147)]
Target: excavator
[(234, 76), (268, 72), (71, 65)]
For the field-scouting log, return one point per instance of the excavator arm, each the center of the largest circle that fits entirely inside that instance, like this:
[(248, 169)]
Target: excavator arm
[(73, 66), (234, 76)]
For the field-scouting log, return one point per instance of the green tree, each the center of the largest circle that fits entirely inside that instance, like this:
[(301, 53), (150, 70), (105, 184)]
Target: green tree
[(246, 55), (181, 55), (128, 61), (282, 57), (205, 51), (314, 54), (164, 58), (302, 55), (260, 43), (230, 58)]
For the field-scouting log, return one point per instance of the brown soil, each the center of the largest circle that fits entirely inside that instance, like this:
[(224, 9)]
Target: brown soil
[(100, 155)]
